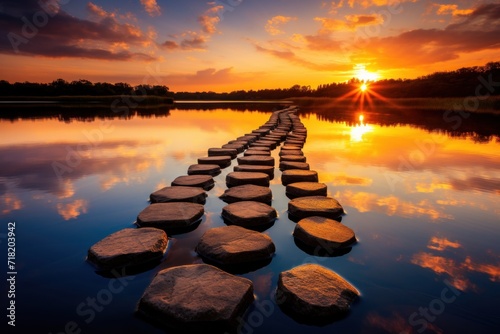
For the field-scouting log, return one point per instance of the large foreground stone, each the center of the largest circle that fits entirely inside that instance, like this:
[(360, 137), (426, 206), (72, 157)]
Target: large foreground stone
[(286, 165), (249, 214), (234, 179), (170, 216), (248, 192), (196, 297), (315, 292), (256, 160), (230, 245), (303, 207), (222, 162), (179, 194), (128, 247), (200, 181), (325, 233), (251, 152), (303, 189), (296, 175), (212, 170)]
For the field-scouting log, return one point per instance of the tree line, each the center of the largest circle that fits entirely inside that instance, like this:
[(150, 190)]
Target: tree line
[(458, 83)]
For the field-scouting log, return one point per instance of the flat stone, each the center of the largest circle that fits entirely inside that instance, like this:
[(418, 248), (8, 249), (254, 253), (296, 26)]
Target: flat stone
[(304, 189), (257, 152), (313, 291), (290, 147), (197, 297), (249, 137), (179, 194), (238, 142), (294, 158), (128, 247), (238, 147), (248, 192), (202, 181), (298, 175), (291, 152), (240, 178), (221, 152), (328, 234), (222, 162), (230, 245), (269, 170), (256, 160), (249, 214), (264, 143), (303, 207), (260, 148), (212, 170), (170, 216), (294, 142), (286, 165)]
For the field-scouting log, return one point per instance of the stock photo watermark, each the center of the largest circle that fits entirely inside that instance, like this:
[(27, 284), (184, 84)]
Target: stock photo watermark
[(11, 274)]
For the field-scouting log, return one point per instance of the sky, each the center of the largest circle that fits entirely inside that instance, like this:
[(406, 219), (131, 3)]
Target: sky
[(227, 45)]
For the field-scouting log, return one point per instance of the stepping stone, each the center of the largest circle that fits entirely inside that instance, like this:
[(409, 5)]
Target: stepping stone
[(240, 178), (220, 152), (325, 233), (294, 158), (128, 247), (222, 162), (261, 131), (196, 298), (291, 142), (303, 207), (291, 152), (304, 189), (248, 192), (264, 143), (179, 194), (286, 165), (238, 142), (212, 170), (249, 214), (230, 245), (269, 170), (249, 137), (170, 216), (238, 147), (311, 291), (202, 181), (290, 148), (256, 160), (257, 152), (261, 148), (298, 175)]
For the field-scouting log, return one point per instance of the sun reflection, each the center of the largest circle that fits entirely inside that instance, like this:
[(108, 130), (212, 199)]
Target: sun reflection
[(363, 87), (360, 129)]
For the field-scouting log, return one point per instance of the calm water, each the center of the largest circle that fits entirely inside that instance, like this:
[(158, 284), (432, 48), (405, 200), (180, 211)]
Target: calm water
[(421, 193)]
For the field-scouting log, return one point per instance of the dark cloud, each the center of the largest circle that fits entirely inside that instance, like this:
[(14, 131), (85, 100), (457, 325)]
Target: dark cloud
[(29, 29), (476, 183)]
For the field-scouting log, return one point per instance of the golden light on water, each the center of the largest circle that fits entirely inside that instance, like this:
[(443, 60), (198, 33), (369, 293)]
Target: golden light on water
[(361, 118)]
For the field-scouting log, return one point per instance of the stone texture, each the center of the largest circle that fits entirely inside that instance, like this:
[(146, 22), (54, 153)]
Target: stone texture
[(196, 297), (291, 152), (294, 158), (249, 214), (313, 291), (222, 162), (128, 247), (221, 152), (303, 189), (212, 170), (179, 194), (256, 160), (296, 175), (328, 234), (230, 245), (257, 152), (264, 143), (248, 192), (286, 165), (291, 142), (201, 181), (170, 216), (240, 178), (239, 147), (269, 170), (290, 148), (303, 207)]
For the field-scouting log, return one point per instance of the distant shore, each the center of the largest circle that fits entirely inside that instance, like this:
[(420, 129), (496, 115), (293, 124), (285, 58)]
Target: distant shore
[(89, 100), (467, 104)]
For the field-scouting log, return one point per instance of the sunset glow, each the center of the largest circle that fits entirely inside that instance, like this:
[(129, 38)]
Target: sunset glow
[(232, 45)]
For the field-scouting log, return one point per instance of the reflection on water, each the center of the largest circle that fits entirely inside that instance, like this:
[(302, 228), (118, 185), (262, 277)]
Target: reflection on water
[(421, 196)]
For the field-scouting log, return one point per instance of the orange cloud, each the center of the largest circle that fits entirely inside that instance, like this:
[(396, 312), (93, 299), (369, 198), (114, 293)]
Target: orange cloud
[(447, 9), (440, 244), (72, 210), (10, 202), (151, 7), (493, 271), (352, 22), (272, 26), (343, 180), (210, 19), (376, 3)]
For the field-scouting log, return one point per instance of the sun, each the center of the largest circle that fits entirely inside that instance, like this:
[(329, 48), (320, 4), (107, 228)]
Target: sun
[(363, 87), (362, 74)]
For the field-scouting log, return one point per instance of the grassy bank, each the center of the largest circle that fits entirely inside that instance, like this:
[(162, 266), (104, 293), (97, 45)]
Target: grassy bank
[(490, 105)]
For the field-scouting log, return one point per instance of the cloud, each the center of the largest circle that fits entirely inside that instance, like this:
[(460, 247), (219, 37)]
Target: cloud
[(447, 9), (72, 210), (151, 7), (209, 77), (273, 24), (342, 180), (440, 244), (64, 35), (352, 22), (477, 184), (376, 3), (210, 19), (9, 202), (478, 31), (190, 41)]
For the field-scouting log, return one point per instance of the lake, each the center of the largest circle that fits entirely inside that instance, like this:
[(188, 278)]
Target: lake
[(421, 191)]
